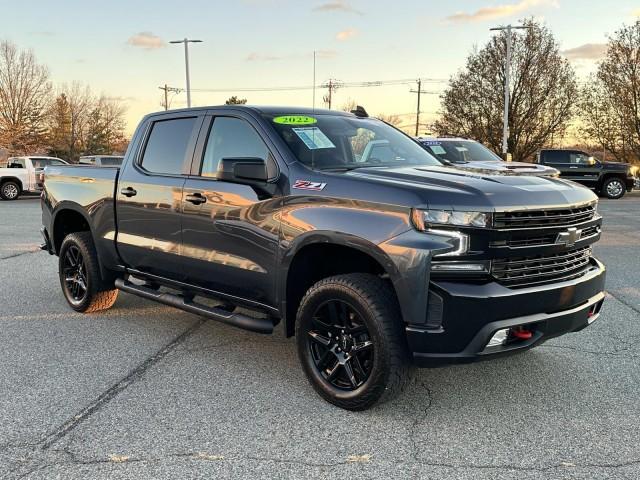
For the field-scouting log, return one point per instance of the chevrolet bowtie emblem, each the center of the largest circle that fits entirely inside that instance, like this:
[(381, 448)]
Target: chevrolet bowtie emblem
[(570, 237)]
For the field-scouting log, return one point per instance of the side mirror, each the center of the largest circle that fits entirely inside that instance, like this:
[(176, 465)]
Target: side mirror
[(247, 170), (591, 161)]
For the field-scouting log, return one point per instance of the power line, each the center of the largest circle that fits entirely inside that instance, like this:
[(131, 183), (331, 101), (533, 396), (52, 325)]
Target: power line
[(168, 89), (334, 83)]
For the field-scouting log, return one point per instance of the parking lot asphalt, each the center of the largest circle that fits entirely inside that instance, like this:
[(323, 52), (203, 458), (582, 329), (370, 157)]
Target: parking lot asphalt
[(146, 391)]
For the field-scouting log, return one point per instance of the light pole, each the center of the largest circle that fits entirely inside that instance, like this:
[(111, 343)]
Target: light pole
[(186, 42), (507, 64)]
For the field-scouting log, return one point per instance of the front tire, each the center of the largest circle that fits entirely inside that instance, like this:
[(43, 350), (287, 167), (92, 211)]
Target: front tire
[(79, 274), (613, 188), (351, 342), (10, 190)]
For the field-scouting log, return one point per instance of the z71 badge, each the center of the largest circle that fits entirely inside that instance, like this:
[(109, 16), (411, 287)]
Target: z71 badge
[(307, 185)]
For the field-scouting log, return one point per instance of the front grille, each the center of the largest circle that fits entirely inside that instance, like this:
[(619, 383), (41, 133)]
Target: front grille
[(520, 271), (544, 218), (539, 240)]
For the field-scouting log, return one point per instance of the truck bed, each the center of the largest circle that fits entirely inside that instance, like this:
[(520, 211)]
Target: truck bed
[(89, 191)]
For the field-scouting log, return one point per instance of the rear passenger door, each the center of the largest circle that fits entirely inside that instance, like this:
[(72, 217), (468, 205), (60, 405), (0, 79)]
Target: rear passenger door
[(559, 159), (149, 196), (230, 230)]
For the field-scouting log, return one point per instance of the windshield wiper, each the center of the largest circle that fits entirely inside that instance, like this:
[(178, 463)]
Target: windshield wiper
[(344, 168)]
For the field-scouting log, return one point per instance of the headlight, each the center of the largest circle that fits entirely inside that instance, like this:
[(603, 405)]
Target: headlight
[(422, 219)]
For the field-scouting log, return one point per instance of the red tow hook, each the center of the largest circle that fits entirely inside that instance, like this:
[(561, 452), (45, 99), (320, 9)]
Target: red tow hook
[(521, 334)]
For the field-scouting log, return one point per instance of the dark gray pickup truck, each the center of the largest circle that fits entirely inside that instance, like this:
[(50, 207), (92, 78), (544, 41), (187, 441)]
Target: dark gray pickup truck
[(258, 216), (609, 179)]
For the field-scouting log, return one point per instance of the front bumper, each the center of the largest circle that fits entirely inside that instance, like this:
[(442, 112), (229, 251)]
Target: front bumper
[(631, 183), (472, 313), (46, 245)]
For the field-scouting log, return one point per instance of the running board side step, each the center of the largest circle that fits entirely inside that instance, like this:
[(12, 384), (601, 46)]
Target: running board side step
[(258, 325)]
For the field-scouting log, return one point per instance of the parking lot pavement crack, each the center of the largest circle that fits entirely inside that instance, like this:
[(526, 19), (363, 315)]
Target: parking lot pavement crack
[(199, 457), (617, 353), (625, 302), (109, 394), (8, 257), (413, 431)]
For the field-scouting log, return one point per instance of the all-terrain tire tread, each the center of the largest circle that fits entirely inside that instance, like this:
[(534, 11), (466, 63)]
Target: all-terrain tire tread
[(380, 297), (102, 295)]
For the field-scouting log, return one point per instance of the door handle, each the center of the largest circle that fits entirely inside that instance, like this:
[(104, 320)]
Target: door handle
[(128, 192), (196, 198), (573, 167)]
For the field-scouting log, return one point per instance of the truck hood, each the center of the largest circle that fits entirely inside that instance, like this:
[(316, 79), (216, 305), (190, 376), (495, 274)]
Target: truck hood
[(498, 167), (458, 189)]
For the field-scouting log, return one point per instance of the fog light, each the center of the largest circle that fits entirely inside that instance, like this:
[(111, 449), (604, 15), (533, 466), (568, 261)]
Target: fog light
[(499, 338), (458, 267)]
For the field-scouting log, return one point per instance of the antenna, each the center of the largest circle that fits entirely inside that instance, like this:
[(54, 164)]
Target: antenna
[(314, 81)]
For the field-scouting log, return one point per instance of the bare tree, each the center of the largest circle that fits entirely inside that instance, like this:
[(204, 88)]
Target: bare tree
[(610, 102), (391, 119), (349, 105), (79, 123), (105, 127), (543, 93), (24, 95)]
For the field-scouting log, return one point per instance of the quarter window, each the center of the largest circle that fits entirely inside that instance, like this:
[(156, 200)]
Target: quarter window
[(231, 138), (167, 145)]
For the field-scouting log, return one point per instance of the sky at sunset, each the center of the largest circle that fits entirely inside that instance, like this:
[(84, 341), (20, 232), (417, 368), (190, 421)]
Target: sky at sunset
[(120, 48)]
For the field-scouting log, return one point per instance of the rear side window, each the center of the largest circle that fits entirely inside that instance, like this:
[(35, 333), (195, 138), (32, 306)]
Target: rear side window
[(167, 145), (111, 161), (231, 138), (556, 156)]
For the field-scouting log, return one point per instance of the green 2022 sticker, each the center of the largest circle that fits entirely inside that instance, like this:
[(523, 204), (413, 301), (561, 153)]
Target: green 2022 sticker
[(295, 120)]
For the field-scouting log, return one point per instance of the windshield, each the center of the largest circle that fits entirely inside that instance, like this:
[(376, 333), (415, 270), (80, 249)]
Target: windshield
[(459, 151), (337, 142)]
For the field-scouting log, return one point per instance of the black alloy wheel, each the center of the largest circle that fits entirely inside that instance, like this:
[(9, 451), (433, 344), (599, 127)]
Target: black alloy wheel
[(75, 275), (340, 345), (351, 341), (80, 278)]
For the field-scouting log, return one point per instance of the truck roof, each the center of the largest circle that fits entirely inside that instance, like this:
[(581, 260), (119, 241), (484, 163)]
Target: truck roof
[(264, 109)]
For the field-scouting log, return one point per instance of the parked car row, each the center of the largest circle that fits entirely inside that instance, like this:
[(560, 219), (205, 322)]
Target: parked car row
[(22, 175), (26, 174), (607, 179)]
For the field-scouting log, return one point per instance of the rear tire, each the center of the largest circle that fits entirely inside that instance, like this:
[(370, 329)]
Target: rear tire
[(10, 190), (613, 188), (79, 274), (351, 342)]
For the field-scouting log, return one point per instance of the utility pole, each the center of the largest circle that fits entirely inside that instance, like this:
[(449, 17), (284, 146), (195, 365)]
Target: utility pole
[(186, 42), (507, 66), (332, 85), (419, 91), (168, 89)]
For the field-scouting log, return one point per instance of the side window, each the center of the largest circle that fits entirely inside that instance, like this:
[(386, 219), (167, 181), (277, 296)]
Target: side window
[(556, 156), (167, 145), (231, 138), (17, 163), (578, 158)]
